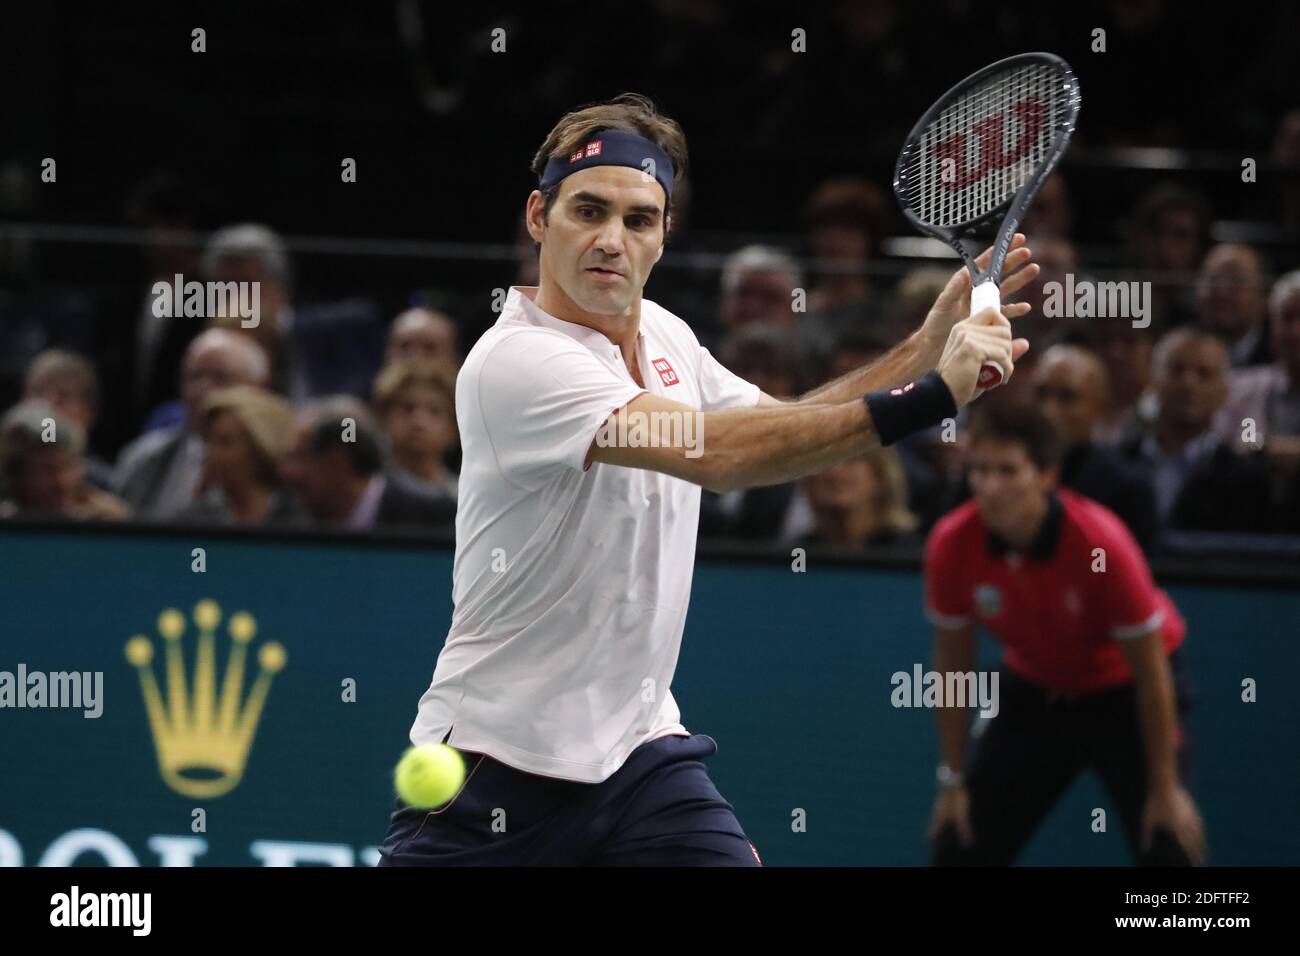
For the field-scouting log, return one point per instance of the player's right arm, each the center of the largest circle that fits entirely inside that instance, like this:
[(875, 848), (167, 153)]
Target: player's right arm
[(743, 447), (768, 445)]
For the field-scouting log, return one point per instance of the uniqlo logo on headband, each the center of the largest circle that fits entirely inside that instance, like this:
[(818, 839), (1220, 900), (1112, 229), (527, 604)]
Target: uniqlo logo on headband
[(590, 150), (666, 373)]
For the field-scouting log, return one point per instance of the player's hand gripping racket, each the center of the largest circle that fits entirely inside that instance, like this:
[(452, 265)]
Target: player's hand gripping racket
[(982, 151)]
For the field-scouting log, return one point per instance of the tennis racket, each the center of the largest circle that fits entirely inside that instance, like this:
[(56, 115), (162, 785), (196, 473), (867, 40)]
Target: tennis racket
[(982, 151)]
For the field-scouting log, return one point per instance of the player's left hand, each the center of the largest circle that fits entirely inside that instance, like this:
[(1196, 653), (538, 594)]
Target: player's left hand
[(1173, 810), (953, 304)]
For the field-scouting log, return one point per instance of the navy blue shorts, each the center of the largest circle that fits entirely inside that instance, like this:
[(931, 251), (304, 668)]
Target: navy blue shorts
[(659, 809)]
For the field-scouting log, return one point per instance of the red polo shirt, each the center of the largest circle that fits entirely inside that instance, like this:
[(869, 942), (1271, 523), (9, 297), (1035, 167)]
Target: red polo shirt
[(1056, 612)]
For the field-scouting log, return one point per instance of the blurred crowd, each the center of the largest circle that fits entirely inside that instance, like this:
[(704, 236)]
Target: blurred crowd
[(238, 431), (339, 412), (1185, 421)]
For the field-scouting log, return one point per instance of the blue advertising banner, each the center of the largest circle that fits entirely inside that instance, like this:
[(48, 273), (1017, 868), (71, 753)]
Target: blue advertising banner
[(246, 704)]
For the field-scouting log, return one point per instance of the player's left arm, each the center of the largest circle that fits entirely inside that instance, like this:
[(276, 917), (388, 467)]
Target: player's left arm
[(1168, 803), (920, 351)]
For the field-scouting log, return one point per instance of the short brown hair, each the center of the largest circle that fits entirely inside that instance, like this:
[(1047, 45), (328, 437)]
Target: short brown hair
[(22, 434), (69, 366), (849, 203), (1018, 423), (630, 112), (395, 377), (266, 418)]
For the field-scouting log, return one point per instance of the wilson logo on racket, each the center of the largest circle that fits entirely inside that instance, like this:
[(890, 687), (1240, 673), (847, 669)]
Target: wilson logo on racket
[(992, 154)]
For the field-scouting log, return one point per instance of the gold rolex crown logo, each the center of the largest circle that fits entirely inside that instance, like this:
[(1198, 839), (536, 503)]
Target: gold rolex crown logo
[(202, 738)]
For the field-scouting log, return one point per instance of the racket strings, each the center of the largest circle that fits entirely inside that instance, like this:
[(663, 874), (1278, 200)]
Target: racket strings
[(986, 144)]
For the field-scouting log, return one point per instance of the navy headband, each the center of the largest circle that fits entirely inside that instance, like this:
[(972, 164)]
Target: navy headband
[(612, 147)]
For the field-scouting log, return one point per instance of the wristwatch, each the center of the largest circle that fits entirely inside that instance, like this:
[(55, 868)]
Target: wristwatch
[(948, 778)]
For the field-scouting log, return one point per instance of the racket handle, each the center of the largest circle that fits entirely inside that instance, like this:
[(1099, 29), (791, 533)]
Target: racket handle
[(987, 296)]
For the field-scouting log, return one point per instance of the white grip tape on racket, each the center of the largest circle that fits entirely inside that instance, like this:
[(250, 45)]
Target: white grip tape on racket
[(987, 296)]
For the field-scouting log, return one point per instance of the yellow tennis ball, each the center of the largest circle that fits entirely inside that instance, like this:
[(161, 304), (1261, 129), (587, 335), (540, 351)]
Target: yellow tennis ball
[(429, 775)]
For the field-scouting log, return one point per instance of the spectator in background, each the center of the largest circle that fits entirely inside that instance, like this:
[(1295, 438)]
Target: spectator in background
[(43, 468), (1057, 260), (1232, 302), (251, 252), (854, 350), (337, 467), (1168, 235), (246, 433), (424, 335), (318, 348), (1268, 397), (758, 284), (766, 354), (140, 351), (69, 383), (769, 355), (926, 458), (844, 224), (860, 503), (416, 405), (1051, 214), (1200, 483), (159, 472), (1286, 153), (1069, 386), (1125, 353), (913, 298)]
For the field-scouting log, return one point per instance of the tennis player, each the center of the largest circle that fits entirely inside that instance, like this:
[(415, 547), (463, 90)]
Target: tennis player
[(575, 535), (1092, 676)]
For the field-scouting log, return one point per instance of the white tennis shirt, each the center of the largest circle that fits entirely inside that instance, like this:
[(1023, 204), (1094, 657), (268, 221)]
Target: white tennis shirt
[(570, 585)]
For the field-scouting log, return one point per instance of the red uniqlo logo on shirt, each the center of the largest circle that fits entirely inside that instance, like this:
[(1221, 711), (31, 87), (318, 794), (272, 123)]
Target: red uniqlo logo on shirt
[(665, 371)]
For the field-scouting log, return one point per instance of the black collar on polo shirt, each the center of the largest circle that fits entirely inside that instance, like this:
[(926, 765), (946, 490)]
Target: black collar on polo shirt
[(1044, 544)]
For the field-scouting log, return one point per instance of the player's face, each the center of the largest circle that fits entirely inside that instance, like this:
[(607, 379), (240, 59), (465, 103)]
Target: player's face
[(602, 237), (1009, 489)]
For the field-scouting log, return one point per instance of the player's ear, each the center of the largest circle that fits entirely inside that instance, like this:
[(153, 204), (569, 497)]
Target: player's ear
[(533, 215), (659, 254)]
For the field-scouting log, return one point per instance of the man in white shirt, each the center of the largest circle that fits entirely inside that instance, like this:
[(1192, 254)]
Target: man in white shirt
[(590, 418)]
